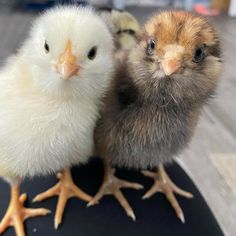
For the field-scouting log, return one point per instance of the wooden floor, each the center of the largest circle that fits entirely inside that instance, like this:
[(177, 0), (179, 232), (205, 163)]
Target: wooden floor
[(211, 158)]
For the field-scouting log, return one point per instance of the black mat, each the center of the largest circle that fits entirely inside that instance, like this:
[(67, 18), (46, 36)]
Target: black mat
[(154, 216)]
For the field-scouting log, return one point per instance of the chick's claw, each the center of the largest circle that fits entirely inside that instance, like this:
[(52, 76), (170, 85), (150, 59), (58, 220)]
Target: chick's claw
[(111, 186), (16, 213), (163, 184), (65, 189)]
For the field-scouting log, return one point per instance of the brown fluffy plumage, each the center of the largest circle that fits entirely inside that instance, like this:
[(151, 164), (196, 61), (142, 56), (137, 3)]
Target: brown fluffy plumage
[(149, 117), (155, 101)]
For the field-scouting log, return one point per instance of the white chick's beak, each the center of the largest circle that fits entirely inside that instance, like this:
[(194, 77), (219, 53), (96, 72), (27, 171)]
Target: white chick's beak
[(172, 60), (66, 65)]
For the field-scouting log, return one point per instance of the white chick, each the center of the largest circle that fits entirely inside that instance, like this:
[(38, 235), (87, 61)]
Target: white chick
[(50, 94)]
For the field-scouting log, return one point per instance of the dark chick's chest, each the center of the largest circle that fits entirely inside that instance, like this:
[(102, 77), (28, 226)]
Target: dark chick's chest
[(136, 130), (150, 122), (155, 128), (139, 136)]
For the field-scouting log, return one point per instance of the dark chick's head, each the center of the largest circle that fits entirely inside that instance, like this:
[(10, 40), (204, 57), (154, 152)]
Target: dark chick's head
[(178, 57)]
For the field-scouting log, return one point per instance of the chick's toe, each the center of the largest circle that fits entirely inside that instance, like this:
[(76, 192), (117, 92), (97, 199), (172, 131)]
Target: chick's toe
[(163, 184), (111, 186), (64, 189), (16, 213)]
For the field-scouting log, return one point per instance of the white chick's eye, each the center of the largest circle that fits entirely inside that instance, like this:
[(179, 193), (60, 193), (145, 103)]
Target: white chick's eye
[(46, 47), (92, 53), (151, 44)]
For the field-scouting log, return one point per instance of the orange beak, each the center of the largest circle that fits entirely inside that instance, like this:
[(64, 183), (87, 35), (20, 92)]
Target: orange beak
[(170, 66), (66, 65)]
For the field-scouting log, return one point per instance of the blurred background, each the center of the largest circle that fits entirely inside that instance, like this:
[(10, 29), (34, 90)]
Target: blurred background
[(210, 159)]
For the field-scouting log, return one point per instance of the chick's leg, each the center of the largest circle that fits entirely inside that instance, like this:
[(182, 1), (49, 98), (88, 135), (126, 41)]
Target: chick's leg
[(16, 213), (65, 189), (111, 186), (163, 184)]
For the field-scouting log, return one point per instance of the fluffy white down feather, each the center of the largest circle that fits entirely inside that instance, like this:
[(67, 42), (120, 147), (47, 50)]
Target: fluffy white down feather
[(46, 123)]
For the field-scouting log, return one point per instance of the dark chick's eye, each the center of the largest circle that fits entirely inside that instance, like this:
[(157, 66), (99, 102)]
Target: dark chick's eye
[(46, 47), (150, 47), (92, 53), (199, 54)]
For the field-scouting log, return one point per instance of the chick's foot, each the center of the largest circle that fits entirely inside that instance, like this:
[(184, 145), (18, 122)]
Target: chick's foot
[(111, 186), (65, 189), (163, 184), (16, 213)]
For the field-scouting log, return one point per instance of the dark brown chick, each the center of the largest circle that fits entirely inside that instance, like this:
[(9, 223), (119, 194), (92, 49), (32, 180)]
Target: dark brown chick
[(154, 104)]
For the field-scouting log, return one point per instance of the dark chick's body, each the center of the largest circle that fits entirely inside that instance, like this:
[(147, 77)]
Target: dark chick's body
[(137, 131), (156, 98)]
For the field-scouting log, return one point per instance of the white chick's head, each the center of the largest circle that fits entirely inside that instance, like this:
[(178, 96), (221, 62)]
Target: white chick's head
[(69, 52)]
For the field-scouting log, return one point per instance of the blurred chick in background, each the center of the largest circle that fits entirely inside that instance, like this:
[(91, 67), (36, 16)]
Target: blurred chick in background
[(155, 102), (50, 96), (123, 26)]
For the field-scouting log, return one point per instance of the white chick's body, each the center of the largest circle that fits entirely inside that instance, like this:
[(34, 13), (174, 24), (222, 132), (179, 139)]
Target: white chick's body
[(41, 134), (50, 94)]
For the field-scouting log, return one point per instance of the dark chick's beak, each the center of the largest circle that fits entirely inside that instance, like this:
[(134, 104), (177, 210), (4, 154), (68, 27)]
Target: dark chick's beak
[(170, 66), (66, 65), (173, 59)]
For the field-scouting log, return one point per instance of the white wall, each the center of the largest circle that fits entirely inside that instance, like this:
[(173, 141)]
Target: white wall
[(232, 8)]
